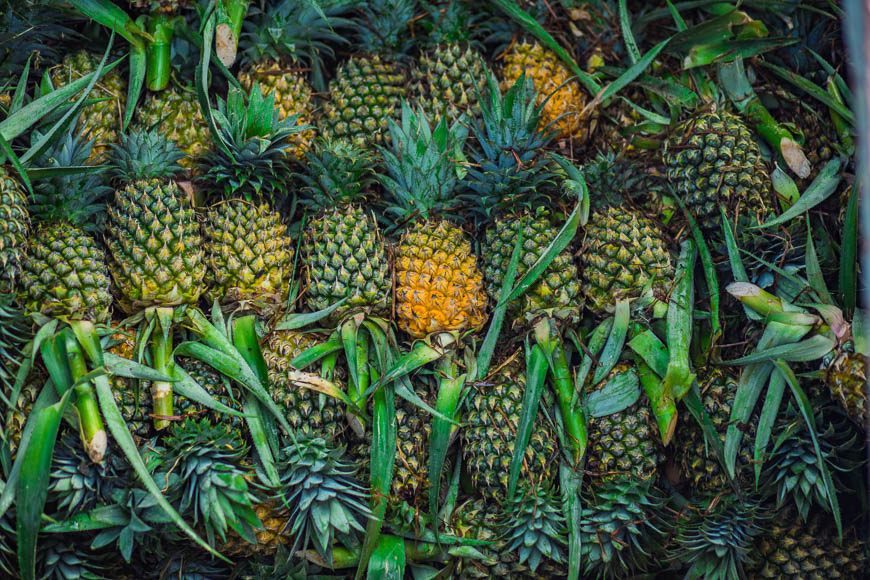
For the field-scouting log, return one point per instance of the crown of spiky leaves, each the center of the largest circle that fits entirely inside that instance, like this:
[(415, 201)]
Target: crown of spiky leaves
[(507, 172), (145, 154), (76, 192), (298, 30), (536, 527), (249, 156), (336, 173), (386, 27), (424, 165), (449, 21)]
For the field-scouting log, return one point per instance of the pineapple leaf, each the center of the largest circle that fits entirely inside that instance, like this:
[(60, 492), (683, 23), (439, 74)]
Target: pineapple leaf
[(594, 346), (848, 282), (615, 341), (814, 269), (620, 392), (388, 559), (536, 377), (811, 89)]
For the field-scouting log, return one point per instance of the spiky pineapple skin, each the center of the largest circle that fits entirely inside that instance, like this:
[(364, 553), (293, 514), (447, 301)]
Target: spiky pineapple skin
[(562, 112), (134, 401), (439, 287), (558, 289), (65, 274), (712, 160), (366, 92), (20, 411), (155, 247), (624, 444), (213, 383), (846, 377), (793, 550), (180, 119), (306, 410), (102, 119), (623, 252), (293, 96), (346, 257), (448, 80), (249, 255), (492, 417), (14, 225)]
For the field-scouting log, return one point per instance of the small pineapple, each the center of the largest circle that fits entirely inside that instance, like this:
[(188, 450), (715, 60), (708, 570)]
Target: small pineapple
[(20, 408), (102, 120), (367, 89), (712, 161), (344, 251), (175, 113), (624, 256), (14, 226), (846, 377), (307, 411), (438, 285), (64, 273), (132, 397), (562, 97)]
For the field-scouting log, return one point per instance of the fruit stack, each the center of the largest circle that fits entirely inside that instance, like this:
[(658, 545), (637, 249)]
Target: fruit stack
[(520, 289)]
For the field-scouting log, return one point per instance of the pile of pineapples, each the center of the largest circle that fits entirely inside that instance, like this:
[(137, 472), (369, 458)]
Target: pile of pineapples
[(404, 288)]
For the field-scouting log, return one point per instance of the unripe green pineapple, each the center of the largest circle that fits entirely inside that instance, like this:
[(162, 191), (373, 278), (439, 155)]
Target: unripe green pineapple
[(793, 550), (65, 274), (624, 256), (180, 120), (557, 290), (448, 79), (216, 386), (249, 255), (20, 411), (306, 410), (698, 462), (102, 120), (132, 397), (713, 161), (155, 246), (343, 248), (846, 377), (14, 221), (492, 416)]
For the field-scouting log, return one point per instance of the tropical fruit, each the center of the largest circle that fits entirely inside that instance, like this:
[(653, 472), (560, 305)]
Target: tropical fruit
[(13, 228), (175, 113)]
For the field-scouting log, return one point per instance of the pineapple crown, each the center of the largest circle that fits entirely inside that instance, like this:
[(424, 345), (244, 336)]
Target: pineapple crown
[(506, 172), (449, 21), (249, 156), (298, 30), (205, 474), (613, 179), (317, 481), (535, 527), (424, 166), (336, 173), (385, 27), (75, 192), (145, 154)]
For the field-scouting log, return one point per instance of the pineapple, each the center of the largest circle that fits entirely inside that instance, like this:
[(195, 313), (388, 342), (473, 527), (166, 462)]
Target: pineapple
[(367, 89), (846, 377), (20, 408), (712, 160), (132, 399), (306, 410), (811, 551), (562, 98), (282, 39), (14, 226), (216, 386), (175, 113), (64, 273), (438, 285), (343, 248), (624, 256), (449, 76), (156, 256), (247, 249), (102, 120), (508, 180)]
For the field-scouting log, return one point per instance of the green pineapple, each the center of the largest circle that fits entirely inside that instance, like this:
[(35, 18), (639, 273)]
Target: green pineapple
[(131, 396), (64, 273), (248, 252), (451, 73), (215, 385), (21, 407), (101, 120), (368, 89), (156, 256), (846, 377), (13, 228), (307, 411), (175, 114), (343, 248)]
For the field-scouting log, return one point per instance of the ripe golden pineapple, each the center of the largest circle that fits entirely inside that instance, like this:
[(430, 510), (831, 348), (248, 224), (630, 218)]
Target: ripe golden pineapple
[(439, 287), (180, 120), (101, 120), (562, 112)]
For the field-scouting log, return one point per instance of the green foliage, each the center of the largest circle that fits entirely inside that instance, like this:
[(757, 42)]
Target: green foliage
[(145, 154), (336, 173)]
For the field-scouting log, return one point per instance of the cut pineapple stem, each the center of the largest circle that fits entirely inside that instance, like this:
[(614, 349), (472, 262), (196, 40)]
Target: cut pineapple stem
[(91, 428), (569, 402), (157, 53), (161, 392)]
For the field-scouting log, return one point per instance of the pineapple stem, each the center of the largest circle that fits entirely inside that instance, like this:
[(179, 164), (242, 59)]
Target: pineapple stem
[(572, 413), (161, 392), (157, 53), (363, 370), (91, 428)]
